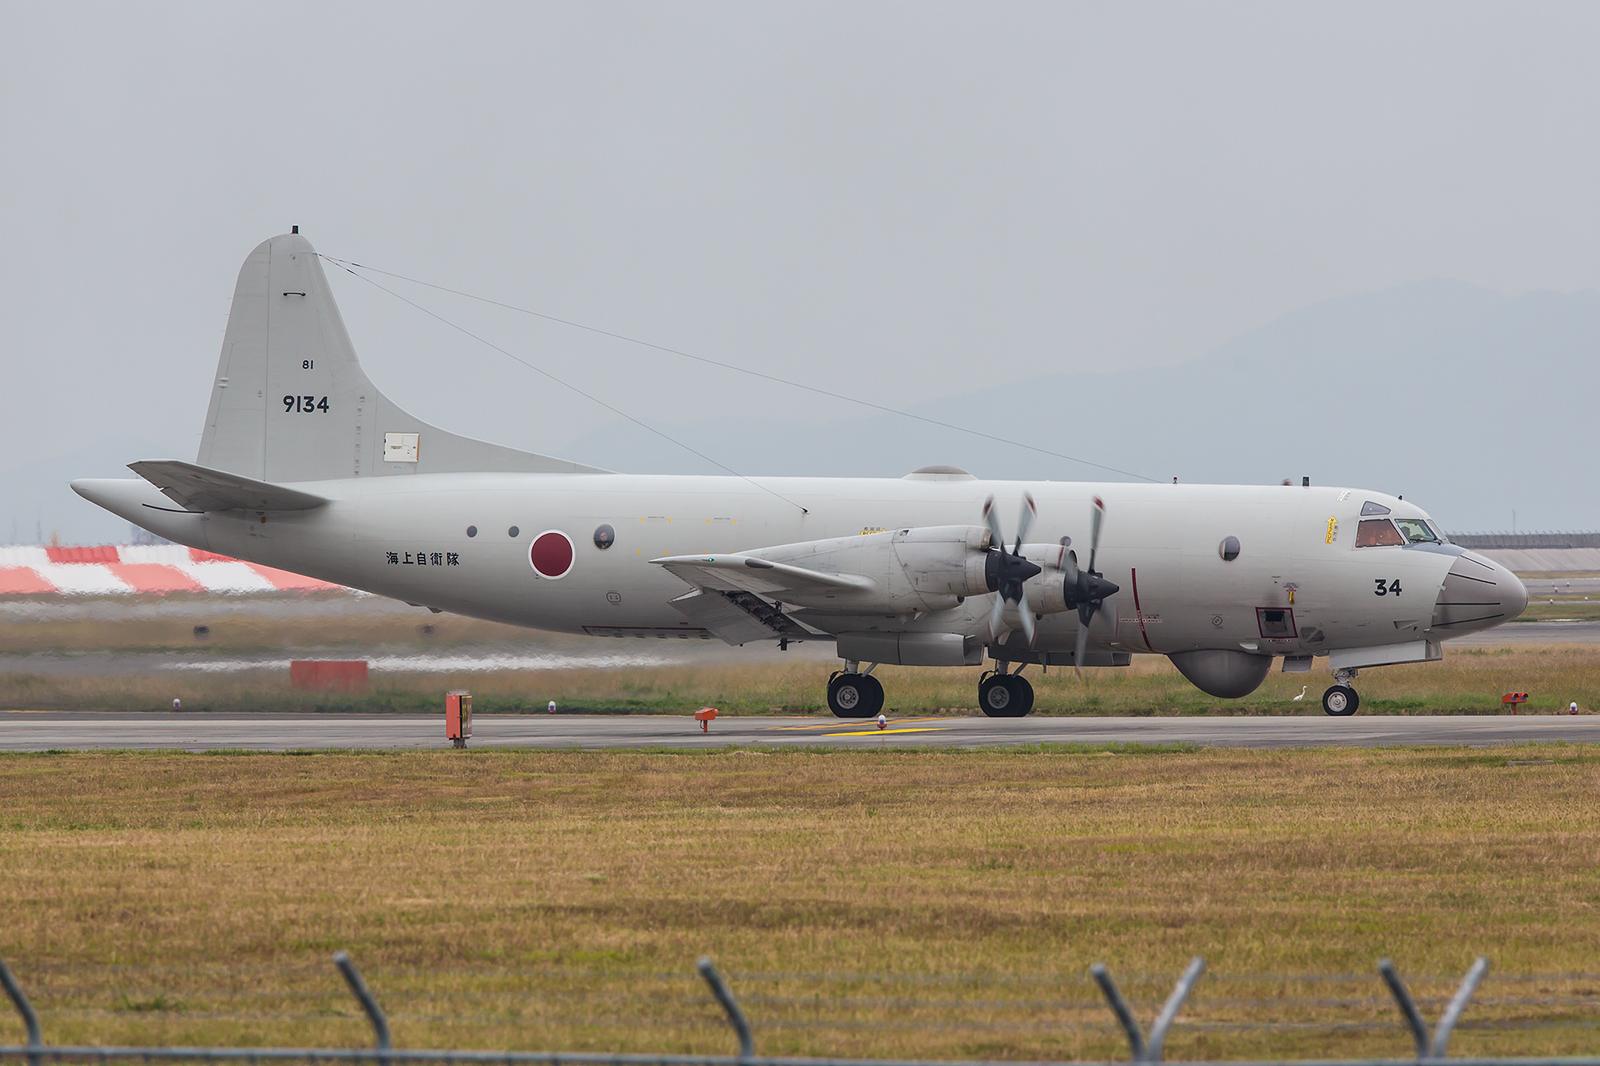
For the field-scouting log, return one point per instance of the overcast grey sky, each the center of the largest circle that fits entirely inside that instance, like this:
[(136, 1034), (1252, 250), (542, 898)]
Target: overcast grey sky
[(900, 201)]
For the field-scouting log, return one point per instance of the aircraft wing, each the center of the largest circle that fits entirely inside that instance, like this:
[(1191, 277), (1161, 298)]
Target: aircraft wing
[(746, 573), (728, 590), (198, 488)]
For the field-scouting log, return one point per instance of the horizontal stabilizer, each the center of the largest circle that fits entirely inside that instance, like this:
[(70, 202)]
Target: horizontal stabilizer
[(196, 488)]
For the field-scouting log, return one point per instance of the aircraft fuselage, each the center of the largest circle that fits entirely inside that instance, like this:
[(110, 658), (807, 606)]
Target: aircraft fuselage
[(460, 542)]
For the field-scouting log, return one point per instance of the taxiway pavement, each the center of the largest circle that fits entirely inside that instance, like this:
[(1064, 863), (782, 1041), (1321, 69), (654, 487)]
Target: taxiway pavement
[(24, 731)]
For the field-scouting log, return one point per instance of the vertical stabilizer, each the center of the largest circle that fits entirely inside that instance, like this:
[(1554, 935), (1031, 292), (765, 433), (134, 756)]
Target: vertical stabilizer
[(291, 403)]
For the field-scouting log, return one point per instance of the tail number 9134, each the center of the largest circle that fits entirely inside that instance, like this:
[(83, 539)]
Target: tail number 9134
[(304, 404), (1386, 587)]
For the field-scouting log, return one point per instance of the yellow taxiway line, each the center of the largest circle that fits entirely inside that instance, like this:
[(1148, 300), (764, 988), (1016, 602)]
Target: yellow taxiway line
[(881, 732), (837, 725)]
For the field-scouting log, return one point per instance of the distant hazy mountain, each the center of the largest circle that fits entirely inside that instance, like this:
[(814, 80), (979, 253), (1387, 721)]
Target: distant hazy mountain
[(35, 500), (1469, 402)]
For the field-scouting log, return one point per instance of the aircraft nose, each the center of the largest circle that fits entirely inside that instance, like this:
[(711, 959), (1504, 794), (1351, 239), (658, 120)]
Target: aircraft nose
[(1477, 593)]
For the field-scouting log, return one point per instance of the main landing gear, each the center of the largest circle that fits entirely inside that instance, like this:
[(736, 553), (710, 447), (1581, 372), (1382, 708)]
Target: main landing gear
[(1002, 695), (1341, 700), (854, 695)]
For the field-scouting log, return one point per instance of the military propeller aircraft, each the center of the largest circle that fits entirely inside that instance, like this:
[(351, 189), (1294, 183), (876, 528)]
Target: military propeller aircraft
[(304, 465)]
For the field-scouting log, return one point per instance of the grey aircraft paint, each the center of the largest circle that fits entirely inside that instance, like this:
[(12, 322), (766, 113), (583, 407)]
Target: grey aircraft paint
[(306, 466)]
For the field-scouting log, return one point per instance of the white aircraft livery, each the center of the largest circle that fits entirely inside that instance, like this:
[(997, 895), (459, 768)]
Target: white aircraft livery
[(304, 465)]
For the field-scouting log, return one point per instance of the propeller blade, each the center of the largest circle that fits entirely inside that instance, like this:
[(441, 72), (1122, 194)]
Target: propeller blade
[(1026, 614), (1096, 516), (996, 538), (1083, 643), (994, 616), (1025, 519)]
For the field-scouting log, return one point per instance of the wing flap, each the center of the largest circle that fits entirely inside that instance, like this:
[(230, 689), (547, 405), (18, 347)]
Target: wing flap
[(738, 617), (198, 488)]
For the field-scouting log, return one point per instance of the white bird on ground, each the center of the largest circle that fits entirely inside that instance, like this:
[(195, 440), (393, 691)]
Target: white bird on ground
[(1302, 692)]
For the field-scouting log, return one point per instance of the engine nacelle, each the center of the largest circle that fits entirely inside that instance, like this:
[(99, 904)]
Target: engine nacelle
[(929, 568), (944, 560), (1047, 590), (1219, 672)]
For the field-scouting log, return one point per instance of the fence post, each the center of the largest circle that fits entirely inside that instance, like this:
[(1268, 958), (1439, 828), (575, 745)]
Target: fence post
[(1119, 1007), (1408, 1006), (19, 999), (1458, 1003), (1438, 1047), (380, 1024), (736, 1018), (1180, 992), (1142, 1050)]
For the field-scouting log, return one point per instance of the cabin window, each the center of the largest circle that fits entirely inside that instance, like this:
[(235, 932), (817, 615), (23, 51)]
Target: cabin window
[(1376, 532), (512, 532), (1416, 531), (604, 537), (1228, 549), (1275, 622), (1373, 508), (472, 531)]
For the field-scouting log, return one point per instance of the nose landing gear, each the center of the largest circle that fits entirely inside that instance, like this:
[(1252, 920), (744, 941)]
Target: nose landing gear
[(1341, 700)]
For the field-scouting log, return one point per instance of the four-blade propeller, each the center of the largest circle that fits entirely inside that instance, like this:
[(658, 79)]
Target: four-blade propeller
[(1005, 572), (1087, 589)]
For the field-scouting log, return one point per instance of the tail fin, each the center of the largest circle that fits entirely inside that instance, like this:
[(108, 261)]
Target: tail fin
[(291, 403)]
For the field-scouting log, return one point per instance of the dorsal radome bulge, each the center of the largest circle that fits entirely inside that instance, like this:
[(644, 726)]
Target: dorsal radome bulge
[(291, 402), (939, 473)]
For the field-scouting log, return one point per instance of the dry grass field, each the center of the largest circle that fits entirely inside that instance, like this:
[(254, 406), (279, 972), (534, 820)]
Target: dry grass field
[(940, 904)]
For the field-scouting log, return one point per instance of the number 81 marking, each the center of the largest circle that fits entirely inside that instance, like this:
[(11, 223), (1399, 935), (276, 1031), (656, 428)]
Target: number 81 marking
[(1385, 587), (304, 404)]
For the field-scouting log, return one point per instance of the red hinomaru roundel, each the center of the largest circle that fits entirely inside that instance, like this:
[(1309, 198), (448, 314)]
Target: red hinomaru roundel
[(551, 554)]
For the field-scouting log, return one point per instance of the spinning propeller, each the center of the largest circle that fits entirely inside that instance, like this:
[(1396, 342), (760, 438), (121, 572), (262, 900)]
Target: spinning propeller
[(1087, 589), (1005, 572)]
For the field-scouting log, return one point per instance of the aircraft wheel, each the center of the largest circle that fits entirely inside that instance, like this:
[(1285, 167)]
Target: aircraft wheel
[(854, 695), (1021, 696), (1005, 696), (1340, 701)]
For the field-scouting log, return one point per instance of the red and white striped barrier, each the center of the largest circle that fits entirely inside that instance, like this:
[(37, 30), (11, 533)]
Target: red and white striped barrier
[(112, 569)]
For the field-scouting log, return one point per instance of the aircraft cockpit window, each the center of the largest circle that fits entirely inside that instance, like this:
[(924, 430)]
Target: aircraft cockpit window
[(1373, 508), (1377, 532), (1416, 531)]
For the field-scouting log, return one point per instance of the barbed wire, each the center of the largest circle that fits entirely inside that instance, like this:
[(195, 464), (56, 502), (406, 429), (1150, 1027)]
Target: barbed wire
[(555, 997)]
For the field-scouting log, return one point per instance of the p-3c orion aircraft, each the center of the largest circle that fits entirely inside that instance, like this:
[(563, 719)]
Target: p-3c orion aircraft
[(304, 465)]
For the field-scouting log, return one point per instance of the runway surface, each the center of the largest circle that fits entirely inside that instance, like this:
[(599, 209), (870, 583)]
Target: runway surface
[(24, 731), (1552, 632)]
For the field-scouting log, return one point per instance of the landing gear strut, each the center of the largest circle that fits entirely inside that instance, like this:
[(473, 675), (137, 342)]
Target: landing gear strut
[(1341, 700), (854, 695), (1004, 695)]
